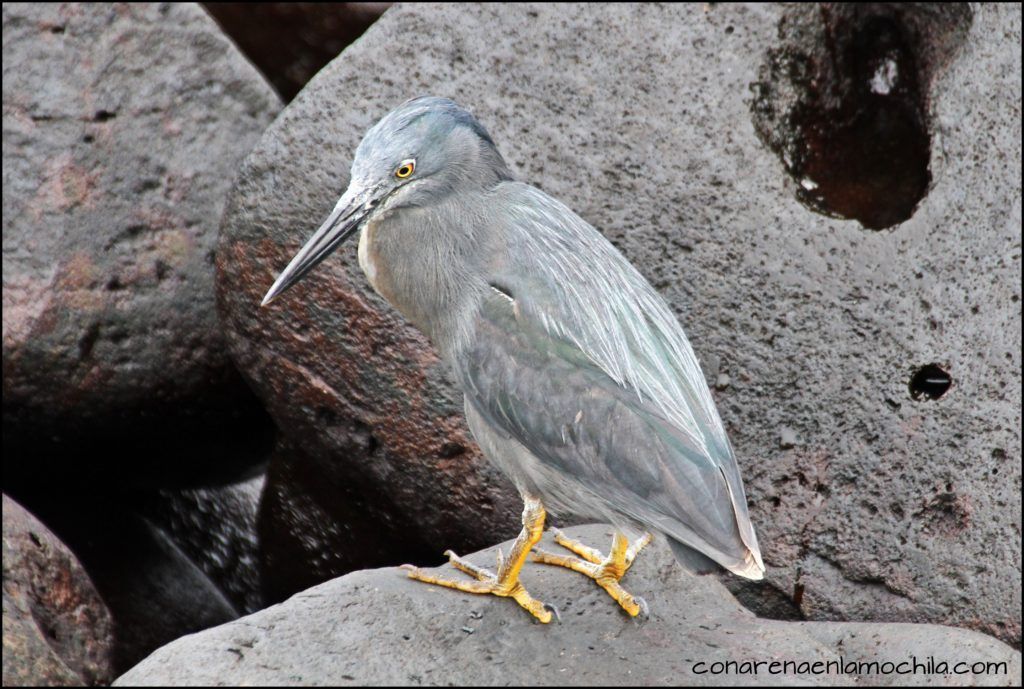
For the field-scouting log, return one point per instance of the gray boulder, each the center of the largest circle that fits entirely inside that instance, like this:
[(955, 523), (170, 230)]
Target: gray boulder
[(870, 503), (57, 629), (123, 125), (380, 628)]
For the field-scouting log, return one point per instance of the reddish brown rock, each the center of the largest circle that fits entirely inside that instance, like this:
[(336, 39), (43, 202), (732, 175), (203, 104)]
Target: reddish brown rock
[(57, 629), (364, 397)]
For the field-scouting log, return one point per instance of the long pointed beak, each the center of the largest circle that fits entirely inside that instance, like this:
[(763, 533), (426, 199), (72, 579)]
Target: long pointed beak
[(351, 210)]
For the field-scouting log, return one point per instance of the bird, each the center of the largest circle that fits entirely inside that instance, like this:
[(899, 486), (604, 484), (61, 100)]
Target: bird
[(578, 380)]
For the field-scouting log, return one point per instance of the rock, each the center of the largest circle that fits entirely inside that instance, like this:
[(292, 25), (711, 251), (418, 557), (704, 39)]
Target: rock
[(290, 41), (317, 523), (57, 630), (216, 529), (154, 591), (378, 627), (787, 438), (891, 508), (123, 126)]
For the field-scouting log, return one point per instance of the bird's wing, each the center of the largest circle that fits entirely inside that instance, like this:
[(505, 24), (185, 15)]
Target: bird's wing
[(578, 358)]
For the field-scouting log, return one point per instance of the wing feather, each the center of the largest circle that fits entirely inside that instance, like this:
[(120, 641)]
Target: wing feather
[(589, 336)]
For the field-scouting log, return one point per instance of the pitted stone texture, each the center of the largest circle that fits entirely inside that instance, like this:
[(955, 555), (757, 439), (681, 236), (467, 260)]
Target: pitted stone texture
[(378, 627), (123, 126), (639, 118), (57, 629)]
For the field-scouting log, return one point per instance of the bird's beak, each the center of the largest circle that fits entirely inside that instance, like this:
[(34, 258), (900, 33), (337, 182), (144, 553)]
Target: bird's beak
[(351, 210)]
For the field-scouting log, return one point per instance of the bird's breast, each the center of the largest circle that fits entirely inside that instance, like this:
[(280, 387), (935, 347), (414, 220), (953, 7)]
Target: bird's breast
[(368, 257), (379, 270)]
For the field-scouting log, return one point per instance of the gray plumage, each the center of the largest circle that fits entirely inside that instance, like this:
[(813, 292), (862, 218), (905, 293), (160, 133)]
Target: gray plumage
[(579, 381)]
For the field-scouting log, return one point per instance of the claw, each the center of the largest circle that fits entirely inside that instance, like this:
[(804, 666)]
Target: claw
[(645, 611), (605, 571), (554, 611), (505, 582)]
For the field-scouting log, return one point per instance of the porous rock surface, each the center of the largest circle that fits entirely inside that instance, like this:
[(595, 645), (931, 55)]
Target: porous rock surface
[(869, 505), (378, 627), (123, 125), (57, 629)]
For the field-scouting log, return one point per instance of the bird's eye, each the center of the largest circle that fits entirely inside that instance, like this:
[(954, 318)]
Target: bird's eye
[(405, 169)]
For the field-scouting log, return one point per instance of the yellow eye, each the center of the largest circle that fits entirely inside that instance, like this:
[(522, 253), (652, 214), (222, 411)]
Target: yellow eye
[(405, 169)]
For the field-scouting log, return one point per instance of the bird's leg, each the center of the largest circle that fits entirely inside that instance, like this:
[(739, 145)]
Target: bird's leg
[(506, 582), (606, 571)]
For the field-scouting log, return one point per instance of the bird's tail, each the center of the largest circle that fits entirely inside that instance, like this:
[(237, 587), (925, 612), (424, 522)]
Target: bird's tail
[(697, 562)]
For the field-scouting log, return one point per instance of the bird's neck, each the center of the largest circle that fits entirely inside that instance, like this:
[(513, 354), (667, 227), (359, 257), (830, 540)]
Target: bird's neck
[(422, 262)]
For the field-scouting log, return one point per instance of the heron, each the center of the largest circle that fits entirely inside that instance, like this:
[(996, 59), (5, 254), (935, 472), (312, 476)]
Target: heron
[(578, 380)]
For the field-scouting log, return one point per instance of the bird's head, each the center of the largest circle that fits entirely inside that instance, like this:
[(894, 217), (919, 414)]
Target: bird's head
[(414, 157)]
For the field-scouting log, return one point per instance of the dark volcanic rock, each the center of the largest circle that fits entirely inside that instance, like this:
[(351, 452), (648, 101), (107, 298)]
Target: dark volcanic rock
[(155, 592), (123, 125), (884, 507), (215, 528), (319, 520), (57, 630), (380, 628)]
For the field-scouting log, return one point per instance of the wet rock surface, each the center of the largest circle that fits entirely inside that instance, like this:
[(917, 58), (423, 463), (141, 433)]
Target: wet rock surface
[(872, 505), (123, 126), (216, 528), (378, 627), (57, 629)]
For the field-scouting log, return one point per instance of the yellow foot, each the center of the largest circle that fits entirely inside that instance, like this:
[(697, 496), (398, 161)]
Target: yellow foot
[(606, 571), (506, 582)]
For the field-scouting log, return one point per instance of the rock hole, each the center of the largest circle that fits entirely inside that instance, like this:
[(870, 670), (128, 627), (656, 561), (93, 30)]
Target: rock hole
[(326, 416), (930, 383), (87, 341), (798, 594), (146, 184), (843, 102), (104, 115), (451, 449)]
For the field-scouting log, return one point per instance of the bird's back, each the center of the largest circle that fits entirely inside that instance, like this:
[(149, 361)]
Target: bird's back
[(578, 359)]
